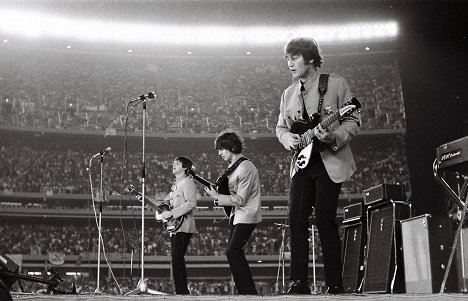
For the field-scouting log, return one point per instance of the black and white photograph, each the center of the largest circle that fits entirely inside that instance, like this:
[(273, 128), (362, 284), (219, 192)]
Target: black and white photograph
[(233, 149)]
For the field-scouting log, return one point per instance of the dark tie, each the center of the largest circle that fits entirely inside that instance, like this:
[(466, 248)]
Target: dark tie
[(305, 116)]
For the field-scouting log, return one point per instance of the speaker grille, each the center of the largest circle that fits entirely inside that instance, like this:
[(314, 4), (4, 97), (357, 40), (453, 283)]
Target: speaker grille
[(380, 249), (353, 257)]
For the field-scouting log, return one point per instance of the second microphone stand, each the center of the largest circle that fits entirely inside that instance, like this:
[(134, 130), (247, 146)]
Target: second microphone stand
[(281, 265), (101, 199)]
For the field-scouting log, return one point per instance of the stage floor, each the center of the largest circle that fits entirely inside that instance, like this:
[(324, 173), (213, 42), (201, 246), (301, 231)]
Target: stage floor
[(367, 297)]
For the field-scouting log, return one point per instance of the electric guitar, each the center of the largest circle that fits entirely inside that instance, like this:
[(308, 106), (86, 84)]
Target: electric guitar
[(221, 186), (306, 130), (170, 225)]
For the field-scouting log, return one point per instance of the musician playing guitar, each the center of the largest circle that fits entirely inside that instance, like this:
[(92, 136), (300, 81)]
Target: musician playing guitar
[(183, 199), (244, 198), (309, 100)]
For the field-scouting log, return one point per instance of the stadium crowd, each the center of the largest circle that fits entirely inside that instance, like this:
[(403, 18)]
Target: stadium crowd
[(43, 239), (49, 170), (194, 95)]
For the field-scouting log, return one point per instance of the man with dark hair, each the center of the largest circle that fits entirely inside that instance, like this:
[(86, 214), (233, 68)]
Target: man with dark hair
[(183, 199), (244, 197), (317, 184)]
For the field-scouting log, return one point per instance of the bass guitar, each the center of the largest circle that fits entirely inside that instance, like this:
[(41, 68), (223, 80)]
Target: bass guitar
[(306, 130), (170, 225), (221, 186)]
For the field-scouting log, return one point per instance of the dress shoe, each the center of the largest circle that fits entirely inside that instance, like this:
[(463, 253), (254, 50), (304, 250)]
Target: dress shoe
[(299, 287), (335, 290)]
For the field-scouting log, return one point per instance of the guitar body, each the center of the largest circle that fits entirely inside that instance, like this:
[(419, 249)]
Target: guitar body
[(300, 127), (223, 188), (302, 155), (309, 143), (170, 225)]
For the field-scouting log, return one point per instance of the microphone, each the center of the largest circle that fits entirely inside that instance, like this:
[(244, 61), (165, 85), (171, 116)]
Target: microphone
[(105, 151), (150, 94), (101, 153)]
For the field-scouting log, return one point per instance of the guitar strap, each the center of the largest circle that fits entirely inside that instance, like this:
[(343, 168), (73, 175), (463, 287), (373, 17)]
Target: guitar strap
[(322, 88), (229, 170)]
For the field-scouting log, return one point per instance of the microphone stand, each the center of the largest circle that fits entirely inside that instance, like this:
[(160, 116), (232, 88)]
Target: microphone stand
[(131, 248), (142, 286), (281, 257), (312, 229), (98, 290)]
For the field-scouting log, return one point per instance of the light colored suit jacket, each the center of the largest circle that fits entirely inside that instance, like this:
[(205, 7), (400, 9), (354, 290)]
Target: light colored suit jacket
[(244, 186), (337, 158), (183, 199)]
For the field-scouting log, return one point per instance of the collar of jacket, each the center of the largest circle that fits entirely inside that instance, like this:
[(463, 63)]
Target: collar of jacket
[(309, 84)]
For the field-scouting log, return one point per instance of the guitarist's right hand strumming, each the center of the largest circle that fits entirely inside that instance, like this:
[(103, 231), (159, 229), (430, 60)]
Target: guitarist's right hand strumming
[(294, 141)]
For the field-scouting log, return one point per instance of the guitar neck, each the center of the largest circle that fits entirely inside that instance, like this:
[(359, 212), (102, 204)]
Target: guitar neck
[(150, 202), (332, 118), (307, 137), (203, 181), (153, 205)]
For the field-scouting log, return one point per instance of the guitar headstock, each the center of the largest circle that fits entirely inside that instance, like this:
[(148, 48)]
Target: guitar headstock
[(351, 106), (355, 102)]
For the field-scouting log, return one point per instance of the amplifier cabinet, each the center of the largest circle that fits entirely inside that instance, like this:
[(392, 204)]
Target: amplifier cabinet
[(427, 241), (353, 256), (384, 192), (384, 263), (353, 213)]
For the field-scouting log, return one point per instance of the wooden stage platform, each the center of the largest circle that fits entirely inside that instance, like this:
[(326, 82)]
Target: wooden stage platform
[(365, 297)]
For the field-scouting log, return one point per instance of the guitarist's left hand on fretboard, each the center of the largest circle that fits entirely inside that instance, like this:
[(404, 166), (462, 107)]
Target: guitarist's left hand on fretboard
[(324, 135)]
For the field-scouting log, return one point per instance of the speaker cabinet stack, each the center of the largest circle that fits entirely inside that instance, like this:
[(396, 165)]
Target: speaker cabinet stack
[(372, 255), (427, 241), (384, 271), (385, 206), (353, 247)]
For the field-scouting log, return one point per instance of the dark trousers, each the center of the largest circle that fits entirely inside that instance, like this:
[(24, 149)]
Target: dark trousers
[(179, 244), (312, 187), (238, 237)]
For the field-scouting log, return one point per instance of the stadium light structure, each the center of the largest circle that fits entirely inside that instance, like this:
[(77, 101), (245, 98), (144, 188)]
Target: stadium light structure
[(46, 26)]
